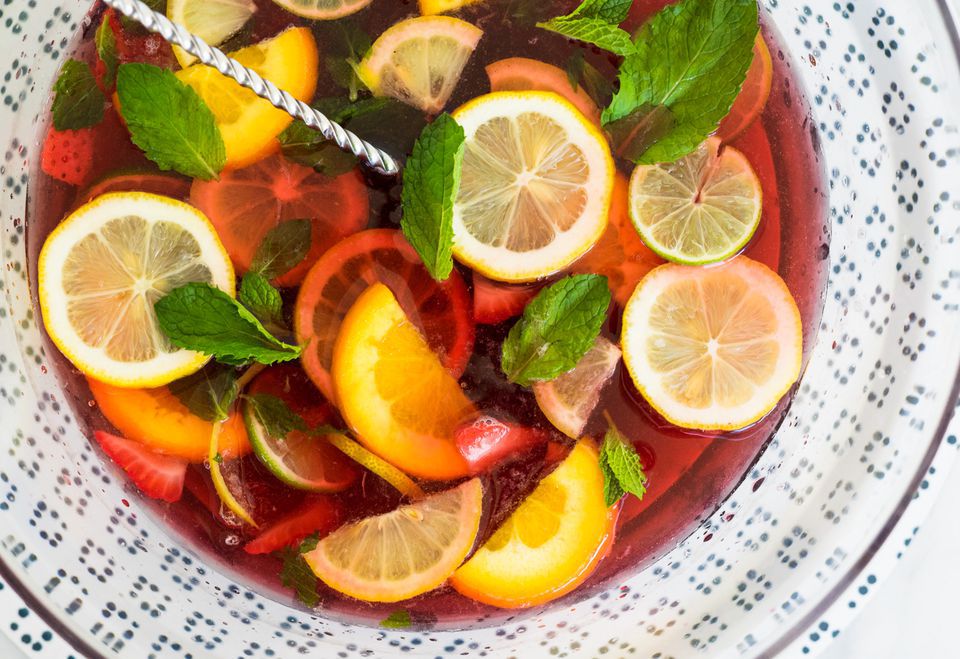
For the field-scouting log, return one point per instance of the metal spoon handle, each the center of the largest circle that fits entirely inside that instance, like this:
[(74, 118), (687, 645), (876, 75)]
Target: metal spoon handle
[(207, 54)]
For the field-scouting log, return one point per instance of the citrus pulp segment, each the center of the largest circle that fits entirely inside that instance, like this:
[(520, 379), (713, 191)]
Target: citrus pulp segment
[(103, 268), (393, 391), (404, 553), (213, 21), (535, 185), (325, 10), (249, 124), (713, 348), (419, 60), (701, 209), (550, 544)]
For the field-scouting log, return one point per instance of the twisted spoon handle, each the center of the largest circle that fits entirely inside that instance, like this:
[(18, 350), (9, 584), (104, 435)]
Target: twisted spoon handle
[(176, 34)]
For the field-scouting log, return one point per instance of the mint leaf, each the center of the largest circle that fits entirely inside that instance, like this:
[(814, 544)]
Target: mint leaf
[(78, 102), (692, 58), (582, 73), (397, 620), (345, 43), (594, 31), (611, 11), (209, 393), (633, 135), (262, 299), (296, 574), (282, 249), (106, 42), (556, 330), (621, 466), (275, 415), (169, 121), (431, 181), (203, 318)]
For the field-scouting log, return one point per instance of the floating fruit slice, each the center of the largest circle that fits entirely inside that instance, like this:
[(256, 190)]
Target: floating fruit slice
[(525, 74), (376, 465), (157, 419), (701, 209), (394, 392), (753, 96), (103, 268), (620, 255), (419, 60), (713, 348), (168, 185), (404, 553), (214, 22), (535, 187), (486, 441), (249, 124), (323, 10), (157, 476), (318, 514), (440, 310), (430, 7), (302, 460), (569, 400), (245, 204), (550, 544)]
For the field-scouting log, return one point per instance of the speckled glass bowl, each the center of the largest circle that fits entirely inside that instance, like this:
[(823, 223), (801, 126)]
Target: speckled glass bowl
[(860, 438)]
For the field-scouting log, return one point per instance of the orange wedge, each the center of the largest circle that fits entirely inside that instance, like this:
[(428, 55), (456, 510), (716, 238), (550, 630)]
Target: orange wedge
[(753, 96), (393, 390), (518, 74)]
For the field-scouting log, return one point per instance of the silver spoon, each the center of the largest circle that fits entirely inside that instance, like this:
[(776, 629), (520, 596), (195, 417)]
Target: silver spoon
[(207, 54)]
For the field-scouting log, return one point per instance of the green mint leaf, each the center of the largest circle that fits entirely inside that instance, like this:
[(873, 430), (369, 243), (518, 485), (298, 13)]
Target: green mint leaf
[(692, 58), (306, 146), (431, 181), (275, 415), (169, 121), (261, 299), (296, 574), (556, 330), (621, 466), (397, 620), (634, 134), (209, 393), (203, 318), (595, 31), (524, 12), (106, 42), (282, 249), (610, 11), (582, 73), (78, 102), (345, 44)]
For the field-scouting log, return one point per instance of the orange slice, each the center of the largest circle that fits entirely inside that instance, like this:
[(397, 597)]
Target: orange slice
[(753, 96), (713, 348), (550, 544), (525, 74), (393, 390), (404, 553)]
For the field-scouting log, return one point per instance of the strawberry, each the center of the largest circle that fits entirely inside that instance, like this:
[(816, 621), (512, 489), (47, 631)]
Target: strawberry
[(68, 155), (317, 514), (147, 48), (158, 476), (485, 441), (494, 302)]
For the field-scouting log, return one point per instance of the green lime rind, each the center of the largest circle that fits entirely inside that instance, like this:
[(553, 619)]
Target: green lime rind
[(680, 259)]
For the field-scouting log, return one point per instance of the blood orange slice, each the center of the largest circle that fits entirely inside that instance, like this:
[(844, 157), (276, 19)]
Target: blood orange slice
[(246, 203), (441, 310)]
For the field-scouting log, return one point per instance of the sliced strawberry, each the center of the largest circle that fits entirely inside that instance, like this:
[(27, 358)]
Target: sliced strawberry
[(317, 514), (486, 441), (68, 155), (158, 476), (494, 302)]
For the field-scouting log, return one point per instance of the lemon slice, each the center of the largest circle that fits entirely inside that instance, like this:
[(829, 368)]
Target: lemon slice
[(214, 21), (249, 124), (535, 187), (550, 544), (569, 400), (713, 348), (404, 553), (323, 10), (103, 268), (429, 7), (701, 209), (419, 60)]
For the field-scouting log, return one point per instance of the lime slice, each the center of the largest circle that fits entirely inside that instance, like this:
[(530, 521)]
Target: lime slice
[(702, 209), (214, 21)]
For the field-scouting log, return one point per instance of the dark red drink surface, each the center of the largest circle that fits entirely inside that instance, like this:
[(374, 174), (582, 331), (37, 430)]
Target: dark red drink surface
[(690, 474)]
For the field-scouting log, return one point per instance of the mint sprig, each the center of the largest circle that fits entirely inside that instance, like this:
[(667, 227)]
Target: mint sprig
[(283, 248), (621, 467), (203, 318), (262, 299), (397, 620), (78, 103), (209, 393), (556, 330), (296, 574), (596, 22), (275, 415), (169, 121), (106, 42), (431, 181), (692, 58)]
